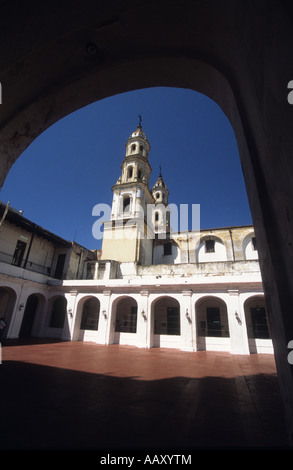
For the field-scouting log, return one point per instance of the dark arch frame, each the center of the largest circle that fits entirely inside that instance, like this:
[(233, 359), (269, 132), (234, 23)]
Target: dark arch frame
[(93, 50)]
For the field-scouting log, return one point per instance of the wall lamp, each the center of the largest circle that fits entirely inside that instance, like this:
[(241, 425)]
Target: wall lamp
[(20, 307), (188, 316), (143, 315), (70, 313), (238, 318), (104, 314)]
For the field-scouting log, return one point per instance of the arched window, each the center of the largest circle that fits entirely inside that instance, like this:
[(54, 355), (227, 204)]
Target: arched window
[(90, 314), (126, 204), (256, 318), (126, 316), (211, 249), (167, 317), (130, 172), (212, 317)]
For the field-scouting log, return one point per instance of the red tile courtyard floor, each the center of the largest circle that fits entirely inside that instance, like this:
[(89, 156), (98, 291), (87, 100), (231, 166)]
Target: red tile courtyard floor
[(84, 396)]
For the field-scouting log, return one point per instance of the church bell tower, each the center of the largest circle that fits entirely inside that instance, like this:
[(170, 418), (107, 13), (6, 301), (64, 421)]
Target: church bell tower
[(127, 236), (161, 213)]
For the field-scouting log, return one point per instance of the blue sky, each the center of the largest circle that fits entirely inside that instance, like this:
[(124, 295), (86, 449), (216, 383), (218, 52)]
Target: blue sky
[(72, 166)]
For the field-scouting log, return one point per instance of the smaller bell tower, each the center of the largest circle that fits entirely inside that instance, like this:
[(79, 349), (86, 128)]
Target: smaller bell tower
[(161, 213), (127, 236)]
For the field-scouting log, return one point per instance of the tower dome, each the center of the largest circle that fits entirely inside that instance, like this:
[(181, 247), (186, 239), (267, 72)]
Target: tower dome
[(137, 144)]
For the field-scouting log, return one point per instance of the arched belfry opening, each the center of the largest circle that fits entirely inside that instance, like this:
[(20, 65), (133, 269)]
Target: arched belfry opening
[(96, 50)]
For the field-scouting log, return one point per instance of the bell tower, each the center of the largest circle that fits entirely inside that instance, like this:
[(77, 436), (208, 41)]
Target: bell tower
[(127, 236), (161, 214)]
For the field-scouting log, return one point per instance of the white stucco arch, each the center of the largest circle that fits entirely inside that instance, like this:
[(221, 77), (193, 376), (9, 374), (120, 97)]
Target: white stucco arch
[(166, 332), (212, 323), (86, 334), (219, 253), (124, 327), (249, 250), (258, 332)]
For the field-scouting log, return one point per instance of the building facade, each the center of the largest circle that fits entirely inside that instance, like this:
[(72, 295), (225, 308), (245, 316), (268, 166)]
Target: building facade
[(149, 286)]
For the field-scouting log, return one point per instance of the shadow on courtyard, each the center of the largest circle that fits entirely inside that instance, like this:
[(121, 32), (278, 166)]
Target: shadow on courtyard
[(53, 408)]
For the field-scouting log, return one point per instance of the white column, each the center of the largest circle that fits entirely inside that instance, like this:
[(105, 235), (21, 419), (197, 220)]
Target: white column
[(143, 319), (238, 336), (70, 318), (107, 329), (187, 321)]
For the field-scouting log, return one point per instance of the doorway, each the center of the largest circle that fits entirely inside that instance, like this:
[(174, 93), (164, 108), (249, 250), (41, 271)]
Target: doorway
[(29, 316)]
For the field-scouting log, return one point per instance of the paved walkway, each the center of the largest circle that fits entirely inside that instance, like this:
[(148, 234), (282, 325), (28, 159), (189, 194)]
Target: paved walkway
[(86, 396)]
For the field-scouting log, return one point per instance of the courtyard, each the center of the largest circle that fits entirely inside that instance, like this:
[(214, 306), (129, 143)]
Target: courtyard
[(84, 396)]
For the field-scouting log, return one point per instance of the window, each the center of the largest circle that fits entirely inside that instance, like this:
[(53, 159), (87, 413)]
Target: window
[(167, 249), (101, 270), (259, 323), (126, 204), (168, 322), (139, 174), (130, 172), (133, 148), (156, 216), (141, 148), (18, 253), (214, 321), (126, 320), (210, 246), (60, 266), (90, 315)]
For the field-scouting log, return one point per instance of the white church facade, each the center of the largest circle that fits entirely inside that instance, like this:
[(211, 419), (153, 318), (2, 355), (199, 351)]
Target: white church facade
[(148, 286)]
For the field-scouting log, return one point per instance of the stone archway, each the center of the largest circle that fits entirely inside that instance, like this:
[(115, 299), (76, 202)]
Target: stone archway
[(258, 330), (124, 320), (166, 322), (212, 324), (87, 318), (240, 56)]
